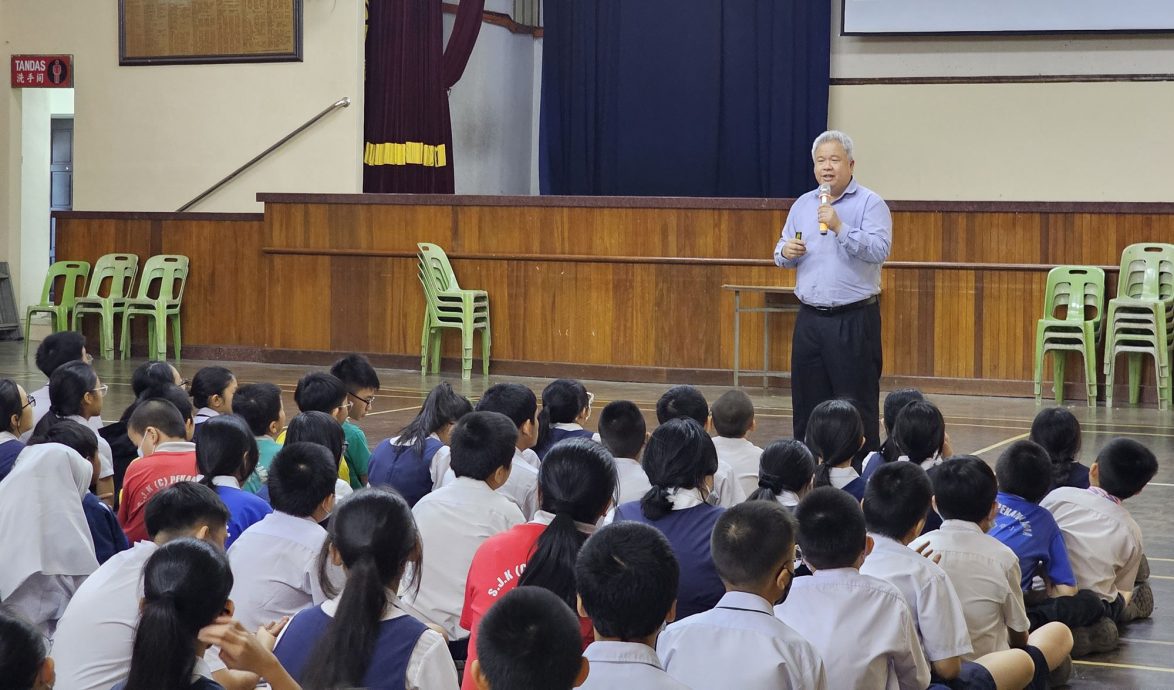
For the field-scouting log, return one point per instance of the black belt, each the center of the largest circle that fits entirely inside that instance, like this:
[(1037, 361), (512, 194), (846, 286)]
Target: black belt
[(828, 311)]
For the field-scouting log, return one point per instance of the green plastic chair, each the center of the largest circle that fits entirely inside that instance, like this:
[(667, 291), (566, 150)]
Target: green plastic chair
[(1140, 319), (73, 275), (1073, 318), (167, 274), (120, 271), (448, 306)]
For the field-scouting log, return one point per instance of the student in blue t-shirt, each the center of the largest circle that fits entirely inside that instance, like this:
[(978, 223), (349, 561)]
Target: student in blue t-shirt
[(566, 404), (835, 433), (16, 409), (226, 455), (1058, 431)]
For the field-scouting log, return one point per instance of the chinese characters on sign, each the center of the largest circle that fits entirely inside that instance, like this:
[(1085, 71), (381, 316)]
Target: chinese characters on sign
[(42, 71)]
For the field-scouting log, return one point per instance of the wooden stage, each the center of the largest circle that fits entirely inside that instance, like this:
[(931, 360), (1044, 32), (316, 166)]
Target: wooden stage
[(611, 288)]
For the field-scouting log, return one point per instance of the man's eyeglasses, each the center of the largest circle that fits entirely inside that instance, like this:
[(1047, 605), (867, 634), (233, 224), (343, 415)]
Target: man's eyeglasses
[(368, 402)]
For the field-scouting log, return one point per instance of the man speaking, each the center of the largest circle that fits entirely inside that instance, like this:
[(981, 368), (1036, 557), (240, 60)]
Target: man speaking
[(837, 237)]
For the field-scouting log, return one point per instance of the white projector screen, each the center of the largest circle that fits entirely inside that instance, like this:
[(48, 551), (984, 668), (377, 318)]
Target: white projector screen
[(1005, 16)]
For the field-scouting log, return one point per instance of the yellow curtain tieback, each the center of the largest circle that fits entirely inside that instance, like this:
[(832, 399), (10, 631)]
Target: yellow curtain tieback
[(408, 153)]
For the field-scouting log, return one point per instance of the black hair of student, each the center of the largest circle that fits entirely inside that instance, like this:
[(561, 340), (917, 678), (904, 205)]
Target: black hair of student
[(442, 407), (1058, 431), (964, 489), (834, 430), (301, 477), (320, 428), (622, 428), (160, 414), (70, 434), (172, 394), (831, 528), (225, 449), (480, 443), (57, 349), (23, 651), (67, 387), (149, 374), (355, 372), (11, 404), (627, 577), (562, 401), (895, 401), (752, 542), (577, 481), (732, 413), (898, 501), (259, 404), (679, 455), (1025, 470), (529, 640), (184, 507), (319, 392), (375, 534), (511, 399), (186, 584), (920, 431), (682, 401), (210, 381), (785, 465), (1124, 467)]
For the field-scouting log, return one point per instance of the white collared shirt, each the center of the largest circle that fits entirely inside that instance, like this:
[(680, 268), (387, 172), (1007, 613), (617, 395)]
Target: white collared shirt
[(204, 414), (41, 408), (626, 665), (985, 574), (105, 455), (1103, 540), (860, 626), (454, 521), (788, 499), (739, 644), (633, 480), (842, 476), (742, 456), (224, 480), (6, 436), (726, 486), (531, 458), (521, 487), (927, 589)]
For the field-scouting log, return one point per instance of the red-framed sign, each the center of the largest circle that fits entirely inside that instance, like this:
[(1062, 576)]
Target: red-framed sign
[(42, 71)]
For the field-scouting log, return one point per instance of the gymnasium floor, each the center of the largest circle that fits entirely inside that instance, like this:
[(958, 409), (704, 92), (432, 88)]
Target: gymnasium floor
[(978, 425)]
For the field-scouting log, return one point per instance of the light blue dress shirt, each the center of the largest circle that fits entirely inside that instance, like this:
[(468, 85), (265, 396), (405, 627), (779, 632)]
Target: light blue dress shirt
[(841, 268)]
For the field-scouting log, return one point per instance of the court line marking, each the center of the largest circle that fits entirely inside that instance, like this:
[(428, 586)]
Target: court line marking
[(1160, 484), (1134, 639), (1155, 558), (1132, 667), (400, 409), (1162, 577), (1002, 443)]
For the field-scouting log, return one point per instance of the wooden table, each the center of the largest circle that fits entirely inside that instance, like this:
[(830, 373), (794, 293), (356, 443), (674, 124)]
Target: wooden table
[(776, 300)]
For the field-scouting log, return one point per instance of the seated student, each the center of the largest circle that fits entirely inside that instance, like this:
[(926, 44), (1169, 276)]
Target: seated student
[(984, 572), (321, 392), (577, 483), (566, 404), (785, 473), (107, 534), (57, 349), (687, 401), (680, 461), (528, 641), (519, 404), (896, 503), (360, 637), (740, 643), (623, 432), (920, 435), (226, 454), (276, 559), (24, 658), (324, 430), (16, 411), (414, 461), (834, 434), (259, 404), (362, 383), (455, 520), (46, 542), (76, 393), (212, 391), (123, 449), (1103, 540), (894, 403), (733, 419), (860, 625), (95, 637), (1058, 431), (157, 430)]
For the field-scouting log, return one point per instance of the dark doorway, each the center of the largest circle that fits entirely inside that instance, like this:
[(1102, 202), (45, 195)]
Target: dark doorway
[(60, 174)]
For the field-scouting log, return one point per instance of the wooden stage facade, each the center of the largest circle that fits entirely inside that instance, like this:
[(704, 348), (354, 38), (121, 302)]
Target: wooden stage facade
[(610, 287)]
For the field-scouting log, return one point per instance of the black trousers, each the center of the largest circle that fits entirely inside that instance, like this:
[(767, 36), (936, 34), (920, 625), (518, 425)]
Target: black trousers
[(837, 356), (1077, 611)]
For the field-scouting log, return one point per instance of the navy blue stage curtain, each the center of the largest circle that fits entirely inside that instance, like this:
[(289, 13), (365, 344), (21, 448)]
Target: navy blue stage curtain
[(682, 97)]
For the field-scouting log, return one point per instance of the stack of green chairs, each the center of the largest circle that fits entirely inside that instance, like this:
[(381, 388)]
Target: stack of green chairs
[(170, 273), (1074, 304), (120, 270), (448, 306), (73, 275), (1141, 319)]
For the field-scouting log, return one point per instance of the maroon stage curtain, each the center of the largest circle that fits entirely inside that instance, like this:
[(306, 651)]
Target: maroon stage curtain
[(407, 129)]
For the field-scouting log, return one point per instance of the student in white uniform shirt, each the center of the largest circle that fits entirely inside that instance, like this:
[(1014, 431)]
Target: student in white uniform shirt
[(456, 519), (896, 504), (739, 643), (984, 571), (624, 433), (860, 625), (212, 391), (627, 579), (786, 471), (57, 349), (76, 393), (687, 401), (519, 404), (733, 419), (529, 640)]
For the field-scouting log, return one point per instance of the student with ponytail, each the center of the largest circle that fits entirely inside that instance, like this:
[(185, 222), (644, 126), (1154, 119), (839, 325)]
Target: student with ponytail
[(76, 393), (212, 391), (361, 637), (785, 472), (834, 434), (16, 411), (894, 403), (920, 434), (566, 404), (1058, 431), (226, 455), (577, 484)]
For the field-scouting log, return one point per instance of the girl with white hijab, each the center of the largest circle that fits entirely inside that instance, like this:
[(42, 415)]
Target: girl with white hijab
[(44, 534)]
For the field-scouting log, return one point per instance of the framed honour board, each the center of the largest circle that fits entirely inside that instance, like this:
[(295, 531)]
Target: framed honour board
[(160, 32)]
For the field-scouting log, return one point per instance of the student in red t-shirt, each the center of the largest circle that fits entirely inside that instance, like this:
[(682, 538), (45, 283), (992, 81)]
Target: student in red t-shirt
[(576, 487), (166, 456)]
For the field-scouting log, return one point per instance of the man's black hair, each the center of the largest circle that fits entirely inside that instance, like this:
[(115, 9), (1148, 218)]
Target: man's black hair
[(964, 489), (259, 404), (751, 542), (57, 349), (511, 399), (682, 401), (320, 392), (1124, 467), (530, 640), (301, 477), (622, 429), (1025, 470), (627, 577), (480, 443), (896, 502), (732, 413), (183, 507), (356, 373), (831, 528)]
